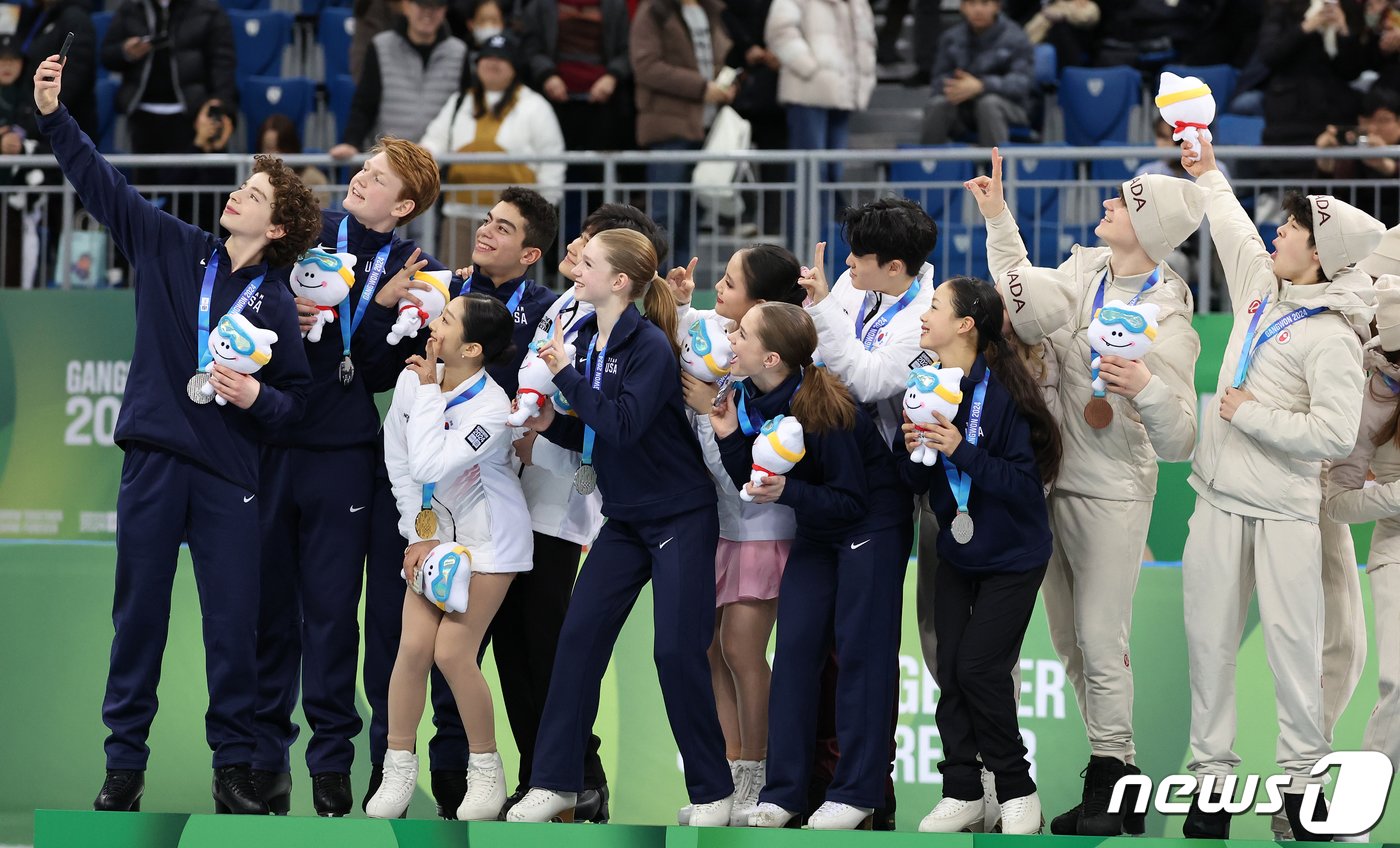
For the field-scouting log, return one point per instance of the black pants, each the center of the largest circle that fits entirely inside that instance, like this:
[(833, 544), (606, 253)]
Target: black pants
[(525, 636), (980, 621)]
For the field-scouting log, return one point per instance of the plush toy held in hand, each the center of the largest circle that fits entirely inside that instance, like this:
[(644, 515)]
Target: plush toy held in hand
[(239, 345), (780, 445), (705, 353), (536, 384), (444, 577), (411, 318), (1188, 106), (932, 390), (1123, 331), (324, 278)]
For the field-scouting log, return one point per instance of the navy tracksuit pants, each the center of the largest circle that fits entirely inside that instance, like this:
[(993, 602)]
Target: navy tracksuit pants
[(384, 585), (166, 499), (850, 592), (677, 555), (314, 521)]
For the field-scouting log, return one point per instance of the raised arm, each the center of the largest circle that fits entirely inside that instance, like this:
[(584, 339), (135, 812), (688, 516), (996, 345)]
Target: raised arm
[(1237, 243)]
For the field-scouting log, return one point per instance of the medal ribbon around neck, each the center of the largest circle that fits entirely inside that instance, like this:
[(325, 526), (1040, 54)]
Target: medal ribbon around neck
[(960, 483), (867, 339), (751, 422), (597, 383), (206, 296), (1250, 346), (470, 393), (514, 302), (376, 273)]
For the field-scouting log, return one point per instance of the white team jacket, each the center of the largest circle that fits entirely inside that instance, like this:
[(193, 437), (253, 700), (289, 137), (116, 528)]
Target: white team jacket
[(466, 452), (1349, 499)]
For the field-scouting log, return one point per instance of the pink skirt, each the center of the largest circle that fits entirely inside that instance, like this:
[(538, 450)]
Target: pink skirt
[(749, 571)]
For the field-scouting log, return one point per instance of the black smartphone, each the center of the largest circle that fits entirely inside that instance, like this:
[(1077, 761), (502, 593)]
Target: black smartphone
[(63, 52)]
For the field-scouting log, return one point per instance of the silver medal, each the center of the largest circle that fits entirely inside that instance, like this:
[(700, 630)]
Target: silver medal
[(585, 480), (347, 371), (195, 388), (962, 528)]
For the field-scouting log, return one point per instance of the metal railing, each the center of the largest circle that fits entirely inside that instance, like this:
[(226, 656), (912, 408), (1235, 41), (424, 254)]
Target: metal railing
[(786, 197)]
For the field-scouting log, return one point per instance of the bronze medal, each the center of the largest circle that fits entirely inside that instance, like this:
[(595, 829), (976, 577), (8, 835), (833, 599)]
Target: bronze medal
[(426, 524), (1098, 413)]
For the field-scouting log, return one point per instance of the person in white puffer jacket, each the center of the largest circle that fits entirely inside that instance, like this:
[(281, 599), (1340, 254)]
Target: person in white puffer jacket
[(1289, 399)]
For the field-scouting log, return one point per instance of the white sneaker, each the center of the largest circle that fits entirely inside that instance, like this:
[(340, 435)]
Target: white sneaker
[(953, 816), (832, 815), (396, 790), (749, 777), (712, 814), (542, 805), (991, 807), (486, 788), (1022, 815), (770, 815), (683, 814)]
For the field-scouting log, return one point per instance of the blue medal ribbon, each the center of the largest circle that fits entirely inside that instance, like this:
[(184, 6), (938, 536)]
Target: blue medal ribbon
[(1251, 347), (459, 399), (514, 302), (1152, 280), (206, 296), (867, 339), (348, 326), (750, 423), (1390, 383), (960, 483), (597, 383)]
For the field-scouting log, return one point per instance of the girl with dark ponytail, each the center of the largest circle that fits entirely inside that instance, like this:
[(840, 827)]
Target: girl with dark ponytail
[(987, 491), (846, 564)]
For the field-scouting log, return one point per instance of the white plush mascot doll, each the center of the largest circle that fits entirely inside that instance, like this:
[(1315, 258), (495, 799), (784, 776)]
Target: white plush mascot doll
[(932, 390), (444, 577), (411, 318), (705, 353), (536, 384), (1187, 104), (238, 345), (779, 446), (324, 278), (1121, 330)]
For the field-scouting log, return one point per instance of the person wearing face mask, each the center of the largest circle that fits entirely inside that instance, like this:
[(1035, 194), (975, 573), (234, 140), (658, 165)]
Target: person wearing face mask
[(485, 21)]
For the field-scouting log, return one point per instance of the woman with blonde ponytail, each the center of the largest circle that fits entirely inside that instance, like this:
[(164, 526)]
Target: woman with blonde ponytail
[(846, 564), (623, 383)]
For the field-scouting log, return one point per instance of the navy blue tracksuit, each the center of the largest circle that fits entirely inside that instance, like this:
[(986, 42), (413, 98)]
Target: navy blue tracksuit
[(844, 582), (318, 486), (985, 591), (663, 526), (190, 471)]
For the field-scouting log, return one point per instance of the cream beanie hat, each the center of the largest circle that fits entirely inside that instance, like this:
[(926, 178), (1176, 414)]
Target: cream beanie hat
[(1386, 258), (1344, 235), (1164, 211), (1039, 301)]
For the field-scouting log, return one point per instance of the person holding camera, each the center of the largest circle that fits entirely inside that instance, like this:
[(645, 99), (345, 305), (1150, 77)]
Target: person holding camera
[(1378, 125)]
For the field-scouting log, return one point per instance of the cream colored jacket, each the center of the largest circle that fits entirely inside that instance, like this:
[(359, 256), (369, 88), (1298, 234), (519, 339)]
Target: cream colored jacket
[(1307, 383), (1118, 462), (1349, 499)]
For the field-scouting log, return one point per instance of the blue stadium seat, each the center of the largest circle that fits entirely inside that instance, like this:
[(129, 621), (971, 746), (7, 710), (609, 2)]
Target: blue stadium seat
[(936, 201), (1245, 130), (100, 22), (260, 37), (106, 93), (294, 97), (1032, 201), (1098, 103), (340, 91), (961, 251), (1220, 78), (1050, 242), (335, 30), (244, 5), (1047, 66)]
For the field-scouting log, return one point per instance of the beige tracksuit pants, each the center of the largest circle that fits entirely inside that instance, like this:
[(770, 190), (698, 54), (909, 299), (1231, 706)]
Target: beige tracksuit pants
[(1088, 593), (1344, 622), (1227, 558), (1383, 729)]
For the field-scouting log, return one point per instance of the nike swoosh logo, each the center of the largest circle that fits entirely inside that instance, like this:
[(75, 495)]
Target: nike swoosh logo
[(861, 545), (665, 543), (249, 498), (356, 508)]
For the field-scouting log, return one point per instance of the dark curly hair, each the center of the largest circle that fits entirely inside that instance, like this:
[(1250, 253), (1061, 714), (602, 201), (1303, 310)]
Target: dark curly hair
[(294, 207)]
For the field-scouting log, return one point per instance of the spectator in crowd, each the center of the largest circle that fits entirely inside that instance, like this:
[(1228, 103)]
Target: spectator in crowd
[(43, 27), (1378, 125), (982, 77), (757, 97), (16, 128), (494, 114), (1148, 34), (678, 47), (212, 128), (928, 29), (278, 135), (371, 18), (1068, 26), (485, 19), (826, 55), (411, 71), (174, 56), (1381, 35)]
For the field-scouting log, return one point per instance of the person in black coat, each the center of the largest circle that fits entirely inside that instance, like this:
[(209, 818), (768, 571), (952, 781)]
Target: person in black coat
[(42, 29)]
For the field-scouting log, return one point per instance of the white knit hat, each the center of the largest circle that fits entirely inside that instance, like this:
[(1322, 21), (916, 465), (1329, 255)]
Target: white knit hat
[(1039, 301), (1388, 312), (1344, 235), (1164, 211), (1386, 258)]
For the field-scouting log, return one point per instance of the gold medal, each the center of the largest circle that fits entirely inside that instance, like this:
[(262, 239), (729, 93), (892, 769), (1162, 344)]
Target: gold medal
[(425, 525), (1098, 413)]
